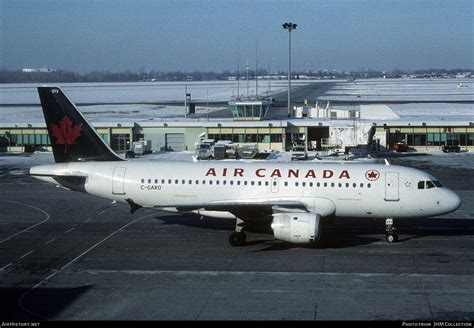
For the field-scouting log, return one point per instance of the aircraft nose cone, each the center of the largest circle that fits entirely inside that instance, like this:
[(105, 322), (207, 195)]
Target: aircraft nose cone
[(454, 201)]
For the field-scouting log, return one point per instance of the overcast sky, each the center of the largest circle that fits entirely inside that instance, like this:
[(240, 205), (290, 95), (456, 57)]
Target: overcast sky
[(203, 35)]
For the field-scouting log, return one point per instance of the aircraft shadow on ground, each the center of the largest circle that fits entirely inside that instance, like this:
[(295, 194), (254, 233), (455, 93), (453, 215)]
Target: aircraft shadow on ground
[(344, 233), (192, 220), (36, 304)]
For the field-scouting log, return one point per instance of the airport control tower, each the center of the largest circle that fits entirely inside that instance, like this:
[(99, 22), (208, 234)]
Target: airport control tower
[(249, 110)]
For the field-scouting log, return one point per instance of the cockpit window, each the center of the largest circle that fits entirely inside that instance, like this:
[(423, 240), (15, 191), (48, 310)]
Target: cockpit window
[(429, 184)]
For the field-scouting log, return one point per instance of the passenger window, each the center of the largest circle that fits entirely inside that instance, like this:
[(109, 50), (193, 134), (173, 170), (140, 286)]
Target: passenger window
[(238, 182), (176, 181), (318, 184), (354, 185), (217, 182), (149, 180), (347, 185), (203, 182), (310, 184), (169, 181), (429, 185), (143, 180), (231, 182), (369, 185), (362, 185), (260, 183), (286, 183), (210, 182), (421, 185), (325, 184), (332, 184), (197, 182), (162, 181), (156, 181), (304, 184), (339, 184), (224, 182), (296, 184)]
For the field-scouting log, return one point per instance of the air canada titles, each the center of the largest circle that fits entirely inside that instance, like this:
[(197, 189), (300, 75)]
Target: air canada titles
[(278, 173)]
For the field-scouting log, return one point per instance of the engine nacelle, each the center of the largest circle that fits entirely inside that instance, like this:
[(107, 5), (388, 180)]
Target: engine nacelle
[(296, 227)]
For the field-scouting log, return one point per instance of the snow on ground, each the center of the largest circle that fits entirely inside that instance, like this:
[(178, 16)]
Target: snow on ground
[(462, 160), (380, 89), (134, 93), (123, 92), (377, 111), (435, 111), (404, 87), (140, 113), (144, 91), (104, 113)]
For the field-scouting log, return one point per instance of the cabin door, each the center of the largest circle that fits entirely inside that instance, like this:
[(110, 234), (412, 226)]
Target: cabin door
[(391, 186), (275, 185), (118, 181)]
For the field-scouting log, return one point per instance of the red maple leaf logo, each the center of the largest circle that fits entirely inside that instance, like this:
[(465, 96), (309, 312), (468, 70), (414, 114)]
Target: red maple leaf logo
[(372, 175), (66, 134)]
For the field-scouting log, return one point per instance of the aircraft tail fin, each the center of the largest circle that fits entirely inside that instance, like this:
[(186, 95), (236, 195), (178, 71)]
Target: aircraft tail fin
[(73, 138)]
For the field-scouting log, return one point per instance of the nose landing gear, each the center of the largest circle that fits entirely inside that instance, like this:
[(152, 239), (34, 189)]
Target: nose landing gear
[(391, 231)]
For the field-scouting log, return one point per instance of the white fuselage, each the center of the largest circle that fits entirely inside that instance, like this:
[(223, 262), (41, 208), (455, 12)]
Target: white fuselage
[(341, 189)]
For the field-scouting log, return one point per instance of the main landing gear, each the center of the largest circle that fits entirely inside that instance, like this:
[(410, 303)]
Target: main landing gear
[(238, 237), (392, 234)]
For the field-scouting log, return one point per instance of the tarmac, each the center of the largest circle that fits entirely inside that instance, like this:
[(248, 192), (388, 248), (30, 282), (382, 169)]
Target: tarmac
[(70, 256)]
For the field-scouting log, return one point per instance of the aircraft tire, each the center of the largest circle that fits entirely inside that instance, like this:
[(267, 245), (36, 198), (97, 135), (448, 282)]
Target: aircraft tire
[(391, 238), (237, 239)]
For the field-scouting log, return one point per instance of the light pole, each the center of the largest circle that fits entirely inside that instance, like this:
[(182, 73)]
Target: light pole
[(290, 27), (248, 94)]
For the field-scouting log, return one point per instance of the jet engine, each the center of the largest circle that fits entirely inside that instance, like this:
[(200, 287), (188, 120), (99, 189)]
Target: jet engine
[(296, 227)]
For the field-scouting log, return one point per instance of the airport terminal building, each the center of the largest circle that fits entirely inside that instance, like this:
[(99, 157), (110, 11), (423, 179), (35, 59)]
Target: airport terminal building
[(318, 134)]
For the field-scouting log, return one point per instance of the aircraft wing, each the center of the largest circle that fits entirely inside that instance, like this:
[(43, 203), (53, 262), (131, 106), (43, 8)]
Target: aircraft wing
[(260, 211), (225, 206)]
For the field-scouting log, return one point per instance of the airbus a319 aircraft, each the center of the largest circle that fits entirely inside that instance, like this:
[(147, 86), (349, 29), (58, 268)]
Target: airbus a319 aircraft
[(286, 199)]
